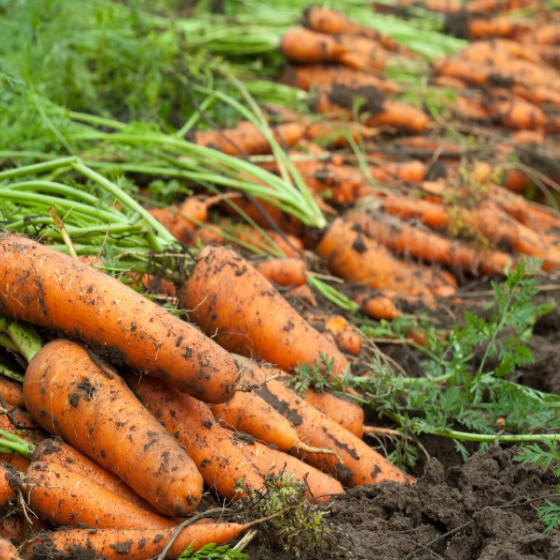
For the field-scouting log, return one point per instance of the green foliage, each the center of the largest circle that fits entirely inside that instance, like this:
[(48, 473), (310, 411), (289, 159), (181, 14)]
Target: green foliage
[(213, 552)]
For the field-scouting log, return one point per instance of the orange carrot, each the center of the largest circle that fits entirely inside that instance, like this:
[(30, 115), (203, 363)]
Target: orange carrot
[(7, 550), (360, 463), (54, 451), (250, 316), (285, 272), (310, 76), (63, 497), (302, 45), (10, 486), (332, 22), (191, 421), (66, 295), (20, 423), (516, 113), (247, 139), (487, 52), (322, 487), (11, 393), (15, 461), (336, 134), (345, 334), (377, 307), (17, 527), (497, 27), (134, 544), (305, 294), (357, 258), (338, 408), (71, 393), (546, 34)]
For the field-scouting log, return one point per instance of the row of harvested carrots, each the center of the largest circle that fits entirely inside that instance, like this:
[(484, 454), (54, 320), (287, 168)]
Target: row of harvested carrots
[(137, 450)]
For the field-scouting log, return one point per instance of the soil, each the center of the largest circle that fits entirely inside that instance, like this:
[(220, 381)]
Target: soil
[(484, 508)]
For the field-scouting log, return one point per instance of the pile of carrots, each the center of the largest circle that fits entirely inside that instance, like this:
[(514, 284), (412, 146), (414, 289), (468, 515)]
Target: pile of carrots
[(127, 413)]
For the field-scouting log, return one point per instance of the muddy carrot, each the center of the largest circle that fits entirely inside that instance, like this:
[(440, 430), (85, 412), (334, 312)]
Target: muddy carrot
[(377, 307), (285, 272), (345, 334), (71, 393), (322, 487), (63, 497), (16, 461), (360, 463), (338, 408), (134, 544), (17, 528), (496, 27), (53, 450), (10, 486), (217, 457), (7, 550), (48, 288), (247, 139), (11, 392), (357, 258), (546, 35), (250, 316), (20, 423)]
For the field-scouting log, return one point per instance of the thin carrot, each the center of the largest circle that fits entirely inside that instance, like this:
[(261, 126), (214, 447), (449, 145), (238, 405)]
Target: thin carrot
[(322, 487), (325, 20), (357, 258), (71, 393), (336, 134), (346, 336), (53, 450), (229, 298), (305, 294), (7, 550), (63, 497), (247, 139), (18, 527), (338, 408), (285, 272), (134, 544), (360, 463), (48, 288), (192, 423), (377, 307), (487, 52), (10, 486), (11, 392), (546, 34), (20, 423), (497, 27)]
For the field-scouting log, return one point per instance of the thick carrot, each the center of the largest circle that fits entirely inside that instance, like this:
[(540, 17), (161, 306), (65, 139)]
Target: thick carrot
[(71, 393), (302, 45), (10, 486), (285, 272), (357, 258), (310, 76), (377, 307), (16, 461), (338, 408), (322, 487), (132, 544), (11, 393), (48, 288), (217, 457), (497, 27), (63, 497), (53, 450), (488, 52), (360, 463), (7, 550), (332, 22), (247, 139), (516, 113), (423, 244), (546, 35), (17, 527), (346, 336), (250, 316)]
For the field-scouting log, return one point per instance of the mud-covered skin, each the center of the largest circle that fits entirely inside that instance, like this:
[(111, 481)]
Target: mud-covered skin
[(7, 550), (106, 422), (125, 544), (47, 288), (65, 498), (229, 299), (10, 485), (215, 453)]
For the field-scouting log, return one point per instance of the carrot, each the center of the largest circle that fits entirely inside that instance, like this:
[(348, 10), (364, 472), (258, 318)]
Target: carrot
[(377, 307), (48, 288), (16, 527), (10, 486), (247, 139), (345, 334), (250, 316), (357, 258), (528, 137), (546, 35), (338, 408), (322, 487), (20, 423), (360, 463), (11, 393), (304, 294), (516, 180), (487, 52), (64, 497), (332, 22), (71, 393), (249, 413), (422, 244), (53, 450), (336, 134), (497, 27), (15, 461), (474, 6), (132, 544), (301, 45), (192, 423), (7, 550), (285, 272), (310, 76), (516, 113)]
